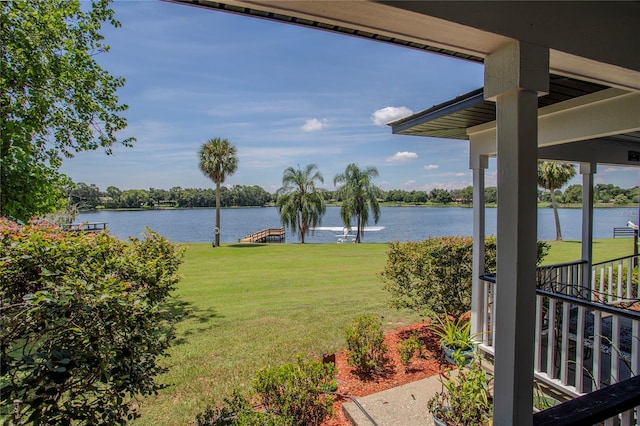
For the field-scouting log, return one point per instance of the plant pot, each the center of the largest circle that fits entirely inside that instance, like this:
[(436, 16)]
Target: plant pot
[(437, 421), (467, 355)]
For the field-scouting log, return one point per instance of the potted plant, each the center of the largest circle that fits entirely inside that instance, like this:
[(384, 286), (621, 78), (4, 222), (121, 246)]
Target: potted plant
[(455, 337), (465, 398)]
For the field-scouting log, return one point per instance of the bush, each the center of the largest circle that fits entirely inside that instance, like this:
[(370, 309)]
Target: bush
[(433, 276), (291, 395), (237, 411), (407, 348), (295, 391), (365, 344), (84, 322)]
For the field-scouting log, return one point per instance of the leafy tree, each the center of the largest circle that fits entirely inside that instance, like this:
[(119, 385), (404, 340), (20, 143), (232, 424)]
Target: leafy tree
[(466, 194), (573, 194), (134, 198), (55, 100), (114, 193), (85, 197), (551, 176), (217, 161), (84, 322), (491, 195), (299, 201), (606, 192), (621, 199), (441, 196), (359, 195)]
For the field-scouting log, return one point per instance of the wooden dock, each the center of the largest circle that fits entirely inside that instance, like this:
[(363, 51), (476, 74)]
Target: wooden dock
[(86, 227), (265, 236)]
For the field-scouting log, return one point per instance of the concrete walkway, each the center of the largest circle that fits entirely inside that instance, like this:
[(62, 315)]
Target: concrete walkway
[(400, 406)]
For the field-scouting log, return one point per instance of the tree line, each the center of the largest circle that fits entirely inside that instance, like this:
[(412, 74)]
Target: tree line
[(89, 196)]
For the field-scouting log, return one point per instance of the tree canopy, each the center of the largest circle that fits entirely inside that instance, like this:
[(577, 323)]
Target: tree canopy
[(551, 176), (300, 202), (55, 99), (358, 194)]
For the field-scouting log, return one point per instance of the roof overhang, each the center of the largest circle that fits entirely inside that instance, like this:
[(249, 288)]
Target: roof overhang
[(579, 34), (451, 119), (577, 121)]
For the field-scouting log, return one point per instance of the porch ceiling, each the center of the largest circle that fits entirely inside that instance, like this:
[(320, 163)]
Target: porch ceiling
[(578, 34), (451, 119)]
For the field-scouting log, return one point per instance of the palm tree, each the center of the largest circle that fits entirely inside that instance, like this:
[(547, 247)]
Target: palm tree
[(358, 195), (300, 203), (217, 161), (553, 175)]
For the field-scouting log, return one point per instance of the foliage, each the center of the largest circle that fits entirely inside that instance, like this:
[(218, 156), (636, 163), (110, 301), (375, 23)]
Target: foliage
[(454, 333), (237, 410), (218, 159), (290, 394), (464, 398), (440, 196), (551, 176), (358, 195), (294, 391), (433, 276), (84, 322), (365, 344), (55, 98), (300, 203), (407, 349)]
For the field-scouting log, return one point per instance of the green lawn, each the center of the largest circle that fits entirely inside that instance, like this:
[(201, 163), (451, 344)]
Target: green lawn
[(247, 306), (566, 251), (252, 305)]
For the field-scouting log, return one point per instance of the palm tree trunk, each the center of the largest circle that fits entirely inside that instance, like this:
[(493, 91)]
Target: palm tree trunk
[(301, 231), (359, 230), (556, 217), (217, 230)]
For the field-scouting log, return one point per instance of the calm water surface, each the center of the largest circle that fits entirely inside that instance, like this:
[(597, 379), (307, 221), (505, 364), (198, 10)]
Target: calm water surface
[(401, 223)]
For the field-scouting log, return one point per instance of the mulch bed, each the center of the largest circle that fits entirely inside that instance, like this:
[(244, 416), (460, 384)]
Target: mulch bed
[(393, 374)]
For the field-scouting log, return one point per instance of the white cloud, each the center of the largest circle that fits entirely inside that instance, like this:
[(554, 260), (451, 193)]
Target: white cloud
[(431, 167), (409, 183), (461, 174), (389, 114), (314, 125), (402, 157)]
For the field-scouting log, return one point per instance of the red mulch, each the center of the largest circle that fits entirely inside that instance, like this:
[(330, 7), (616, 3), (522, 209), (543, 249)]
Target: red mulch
[(393, 374)]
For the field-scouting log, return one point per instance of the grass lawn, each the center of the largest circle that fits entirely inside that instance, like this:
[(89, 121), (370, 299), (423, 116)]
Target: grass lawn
[(247, 306), (252, 305), (566, 251)]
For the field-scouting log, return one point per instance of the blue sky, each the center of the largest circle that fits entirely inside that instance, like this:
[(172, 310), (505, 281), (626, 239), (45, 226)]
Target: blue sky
[(283, 95)]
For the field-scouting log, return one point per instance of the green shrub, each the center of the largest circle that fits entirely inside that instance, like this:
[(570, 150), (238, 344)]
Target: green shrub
[(295, 391), (407, 349), (465, 398), (238, 411), (365, 344), (433, 276), (84, 322)]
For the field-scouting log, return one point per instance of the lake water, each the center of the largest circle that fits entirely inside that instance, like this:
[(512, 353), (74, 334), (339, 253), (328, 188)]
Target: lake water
[(401, 223)]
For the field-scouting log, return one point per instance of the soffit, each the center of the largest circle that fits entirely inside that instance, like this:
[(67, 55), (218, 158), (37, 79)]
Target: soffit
[(578, 34), (371, 20), (451, 119)]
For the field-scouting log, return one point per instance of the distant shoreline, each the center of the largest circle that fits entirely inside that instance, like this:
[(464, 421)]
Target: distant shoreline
[(386, 204)]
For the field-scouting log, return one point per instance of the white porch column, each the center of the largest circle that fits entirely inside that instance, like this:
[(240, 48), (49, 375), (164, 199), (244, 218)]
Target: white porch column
[(478, 163), (514, 77), (587, 170)]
